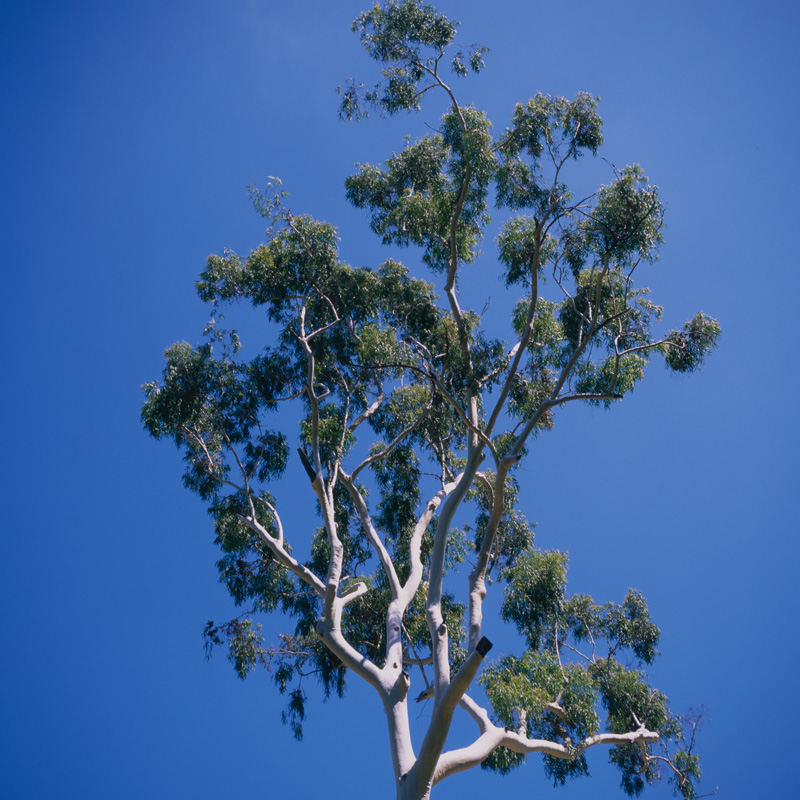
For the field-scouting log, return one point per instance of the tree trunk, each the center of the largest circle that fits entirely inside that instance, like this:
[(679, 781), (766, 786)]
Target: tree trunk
[(405, 791)]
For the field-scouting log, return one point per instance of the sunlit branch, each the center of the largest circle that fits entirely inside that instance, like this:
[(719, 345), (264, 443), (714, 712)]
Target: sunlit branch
[(477, 712), (331, 609), (353, 593), (564, 643), (503, 366), (275, 516), (367, 413), (372, 534), (333, 639), (415, 574), (477, 578), (472, 426), (280, 555), (323, 329), (449, 287), (392, 445), (433, 609), (445, 703), (467, 757)]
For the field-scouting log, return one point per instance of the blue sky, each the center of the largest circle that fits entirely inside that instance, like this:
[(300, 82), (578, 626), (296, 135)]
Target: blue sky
[(130, 134)]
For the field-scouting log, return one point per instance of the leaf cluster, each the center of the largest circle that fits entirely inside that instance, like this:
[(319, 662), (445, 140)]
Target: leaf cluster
[(416, 196), (411, 38), (581, 673)]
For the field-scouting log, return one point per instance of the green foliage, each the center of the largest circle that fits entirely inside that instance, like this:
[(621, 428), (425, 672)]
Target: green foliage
[(626, 626), (206, 404), (245, 643), (295, 713), (411, 38), (513, 535), (523, 250), (247, 568), (626, 222), (688, 771), (535, 593), (396, 31), (414, 198), (523, 693), (397, 393), (502, 760), (555, 698), (556, 125), (684, 350)]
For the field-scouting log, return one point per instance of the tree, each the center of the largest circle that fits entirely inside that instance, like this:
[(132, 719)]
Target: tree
[(413, 420)]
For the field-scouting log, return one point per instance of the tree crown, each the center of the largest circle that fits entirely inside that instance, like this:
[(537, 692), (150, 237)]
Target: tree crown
[(413, 419)]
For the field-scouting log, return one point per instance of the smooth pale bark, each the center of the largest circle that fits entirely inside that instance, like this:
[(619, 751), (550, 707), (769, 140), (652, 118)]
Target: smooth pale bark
[(468, 757)]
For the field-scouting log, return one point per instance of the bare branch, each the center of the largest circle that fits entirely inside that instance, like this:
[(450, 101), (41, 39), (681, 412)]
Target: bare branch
[(372, 534), (477, 578), (367, 413), (444, 705), (471, 424), (467, 757), (393, 444), (280, 555)]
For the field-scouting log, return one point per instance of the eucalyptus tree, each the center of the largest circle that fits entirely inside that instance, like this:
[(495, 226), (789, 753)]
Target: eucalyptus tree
[(413, 420)]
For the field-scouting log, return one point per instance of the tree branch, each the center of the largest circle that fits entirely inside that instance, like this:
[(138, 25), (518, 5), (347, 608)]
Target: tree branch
[(467, 757), (477, 578), (392, 445), (372, 534), (288, 561), (426, 766)]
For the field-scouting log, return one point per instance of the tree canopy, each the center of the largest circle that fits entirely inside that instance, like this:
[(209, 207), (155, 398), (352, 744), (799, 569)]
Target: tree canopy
[(411, 418)]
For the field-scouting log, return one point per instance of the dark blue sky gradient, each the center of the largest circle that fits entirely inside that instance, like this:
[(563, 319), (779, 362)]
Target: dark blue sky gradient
[(130, 134)]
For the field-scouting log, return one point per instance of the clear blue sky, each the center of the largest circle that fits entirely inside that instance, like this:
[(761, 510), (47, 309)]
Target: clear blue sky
[(129, 134)]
